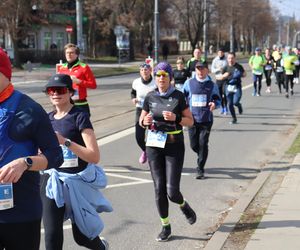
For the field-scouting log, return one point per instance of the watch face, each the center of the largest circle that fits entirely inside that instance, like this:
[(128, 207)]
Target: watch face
[(28, 161), (67, 143)]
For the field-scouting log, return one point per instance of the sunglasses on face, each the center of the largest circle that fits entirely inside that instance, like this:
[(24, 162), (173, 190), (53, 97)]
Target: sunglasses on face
[(57, 90), (162, 73), (145, 66)]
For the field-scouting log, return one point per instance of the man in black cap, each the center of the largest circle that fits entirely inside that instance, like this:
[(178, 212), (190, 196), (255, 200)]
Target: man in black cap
[(203, 97)]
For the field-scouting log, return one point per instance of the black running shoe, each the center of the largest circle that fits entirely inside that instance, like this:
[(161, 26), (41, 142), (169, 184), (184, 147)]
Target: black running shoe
[(165, 234), (240, 108), (189, 213), (200, 175)]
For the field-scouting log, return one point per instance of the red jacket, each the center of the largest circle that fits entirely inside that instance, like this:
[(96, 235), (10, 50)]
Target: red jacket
[(84, 73)]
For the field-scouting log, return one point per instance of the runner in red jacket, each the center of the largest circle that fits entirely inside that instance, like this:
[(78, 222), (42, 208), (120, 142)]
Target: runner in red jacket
[(81, 75)]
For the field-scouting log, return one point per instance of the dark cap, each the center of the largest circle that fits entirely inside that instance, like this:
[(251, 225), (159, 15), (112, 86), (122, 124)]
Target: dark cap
[(201, 64), (60, 80), (257, 49), (145, 65)]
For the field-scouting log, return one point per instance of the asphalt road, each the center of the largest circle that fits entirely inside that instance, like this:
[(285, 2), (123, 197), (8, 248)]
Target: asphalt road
[(237, 154)]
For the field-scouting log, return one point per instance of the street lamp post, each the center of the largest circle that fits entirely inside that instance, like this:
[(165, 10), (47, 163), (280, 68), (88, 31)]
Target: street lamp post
[(79, 24), (156, 31)]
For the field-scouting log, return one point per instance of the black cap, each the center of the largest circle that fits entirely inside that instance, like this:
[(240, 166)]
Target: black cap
[(201, 64), (60, 80)]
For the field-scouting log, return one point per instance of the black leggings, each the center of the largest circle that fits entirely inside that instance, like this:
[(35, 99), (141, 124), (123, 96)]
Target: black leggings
[(221, 86), (257, 81), (280, 80), (16, 236), (287, 79), (166, 167), (268, 74), (139, 131), (53, 219)]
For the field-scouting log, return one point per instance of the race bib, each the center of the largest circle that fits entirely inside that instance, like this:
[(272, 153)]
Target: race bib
[(156, 139), (279, 69), (296, 63), (257, 72), (70, 159), (289, 72), (231, 88), (6, 196), (268, 67), (199, 100)]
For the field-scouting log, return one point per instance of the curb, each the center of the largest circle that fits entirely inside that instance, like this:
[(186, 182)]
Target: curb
[(220, 236)]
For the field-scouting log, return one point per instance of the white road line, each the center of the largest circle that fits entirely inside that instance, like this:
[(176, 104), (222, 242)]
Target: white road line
[(114, 137), (127, 184), (65, 227), (126, 177)]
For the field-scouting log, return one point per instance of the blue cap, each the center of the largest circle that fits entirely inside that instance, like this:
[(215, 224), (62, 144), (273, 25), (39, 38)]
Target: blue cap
[(257, 49)]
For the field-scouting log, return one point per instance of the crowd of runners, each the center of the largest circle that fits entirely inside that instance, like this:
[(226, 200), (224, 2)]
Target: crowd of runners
[(61, 146)]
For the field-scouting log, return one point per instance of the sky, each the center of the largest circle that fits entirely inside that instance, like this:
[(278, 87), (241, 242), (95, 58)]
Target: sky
[(287, 7)]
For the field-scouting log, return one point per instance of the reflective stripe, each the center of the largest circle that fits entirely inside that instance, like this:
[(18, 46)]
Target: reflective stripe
[(80, 103), (176, 132)]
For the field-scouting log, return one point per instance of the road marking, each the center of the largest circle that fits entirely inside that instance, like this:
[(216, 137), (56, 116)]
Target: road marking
[(135, 182), (116, 136)]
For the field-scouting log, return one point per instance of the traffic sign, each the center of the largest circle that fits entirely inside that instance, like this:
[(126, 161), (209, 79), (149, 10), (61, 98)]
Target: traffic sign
[(69, 28)]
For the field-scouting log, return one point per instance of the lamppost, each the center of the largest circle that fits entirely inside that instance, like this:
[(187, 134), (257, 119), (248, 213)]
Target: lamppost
[(156, 31), (80, 43)]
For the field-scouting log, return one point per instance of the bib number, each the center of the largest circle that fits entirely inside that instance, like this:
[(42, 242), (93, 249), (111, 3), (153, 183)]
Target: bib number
[(257, 72), (70, 159), (268, 67), (156, 139), (6, 196), (199, 100), (231, 88), (279, 69)]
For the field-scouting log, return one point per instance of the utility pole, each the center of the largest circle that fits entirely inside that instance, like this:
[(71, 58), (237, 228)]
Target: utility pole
[(288, 32), (156, 31), (80, 43), (205, 29)]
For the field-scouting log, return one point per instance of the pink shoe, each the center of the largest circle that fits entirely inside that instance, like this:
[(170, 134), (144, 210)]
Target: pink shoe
[(143, 158)]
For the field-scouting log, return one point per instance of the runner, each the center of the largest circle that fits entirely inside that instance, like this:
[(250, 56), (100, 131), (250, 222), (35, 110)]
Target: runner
[(180, 74), (297, 66), (27, 145), (268, 68), (289, 61), (279, 73), (233, 73), (165, 112), (72, 191), (81, 74), (192, 62), (257, 63), (217, 66), (203, 97), (140, 88)]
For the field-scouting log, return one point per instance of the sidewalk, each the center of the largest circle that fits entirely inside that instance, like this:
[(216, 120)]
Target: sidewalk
[(280, 226)]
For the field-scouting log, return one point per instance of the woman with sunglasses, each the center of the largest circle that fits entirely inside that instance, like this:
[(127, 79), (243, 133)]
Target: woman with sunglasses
[(74, 186), (164, 113)]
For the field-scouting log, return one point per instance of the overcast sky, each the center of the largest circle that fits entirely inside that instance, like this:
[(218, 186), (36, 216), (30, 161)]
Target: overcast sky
[(287, 7)]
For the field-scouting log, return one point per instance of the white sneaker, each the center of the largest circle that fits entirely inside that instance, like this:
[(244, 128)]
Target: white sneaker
[(105, 243)]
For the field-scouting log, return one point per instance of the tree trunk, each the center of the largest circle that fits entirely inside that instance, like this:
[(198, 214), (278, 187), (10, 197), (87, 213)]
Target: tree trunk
[(16, 61)]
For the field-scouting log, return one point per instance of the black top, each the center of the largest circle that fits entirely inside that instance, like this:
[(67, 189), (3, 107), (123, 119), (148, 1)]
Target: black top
[(71, 126), (156, 104), (180, 76)]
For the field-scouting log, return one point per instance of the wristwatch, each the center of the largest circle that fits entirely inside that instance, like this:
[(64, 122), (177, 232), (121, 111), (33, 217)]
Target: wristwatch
[(28, 162), (67, 143)]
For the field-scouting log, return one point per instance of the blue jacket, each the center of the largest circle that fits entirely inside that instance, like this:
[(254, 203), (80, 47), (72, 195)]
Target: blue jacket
[(199, 94), (80, 195)]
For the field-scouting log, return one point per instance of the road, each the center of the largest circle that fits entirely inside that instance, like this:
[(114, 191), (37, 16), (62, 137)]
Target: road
[(237, 154)]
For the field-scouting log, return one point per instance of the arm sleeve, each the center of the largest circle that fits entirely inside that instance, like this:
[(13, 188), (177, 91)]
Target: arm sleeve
[(146, 103), (215, 97), (89, 80)]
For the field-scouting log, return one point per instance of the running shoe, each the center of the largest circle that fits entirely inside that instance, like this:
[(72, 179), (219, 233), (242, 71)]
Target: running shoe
[(254, 93), (143, 158), (287, 95), (234, 121), (200, 175), (105, 243), (258, 94), (165, 234), (225, 111), (292, 92), (222, 111), (189, 213), (240, 108)]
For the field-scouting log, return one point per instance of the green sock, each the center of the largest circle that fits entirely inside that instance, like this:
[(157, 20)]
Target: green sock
[(165, 221)]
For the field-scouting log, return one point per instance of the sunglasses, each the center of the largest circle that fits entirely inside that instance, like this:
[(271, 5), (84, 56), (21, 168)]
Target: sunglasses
[(162, 73), (57, 90), (145, 65)]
